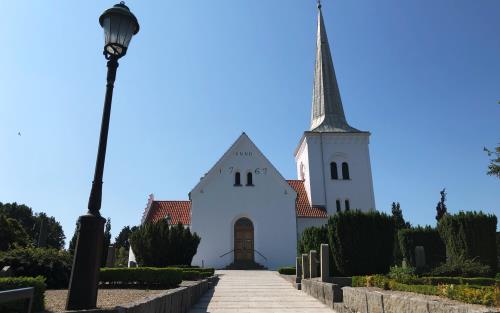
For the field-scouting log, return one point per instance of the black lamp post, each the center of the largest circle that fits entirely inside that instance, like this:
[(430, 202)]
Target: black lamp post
[(119, 26)]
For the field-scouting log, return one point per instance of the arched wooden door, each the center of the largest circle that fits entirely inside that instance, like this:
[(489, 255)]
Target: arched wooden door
[(243, 240)]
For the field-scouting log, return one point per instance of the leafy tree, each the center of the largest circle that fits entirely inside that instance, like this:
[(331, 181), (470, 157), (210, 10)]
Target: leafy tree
[(72, 242), (121, 257), (441, 209), (494, 166), (399, 223), (106, 242), (122, 240), (159, 244), (12, 234), (31, 223), (312, 238)]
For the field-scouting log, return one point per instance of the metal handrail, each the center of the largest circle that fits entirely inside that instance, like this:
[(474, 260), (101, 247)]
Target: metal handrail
[(253, 250), (226, 253)]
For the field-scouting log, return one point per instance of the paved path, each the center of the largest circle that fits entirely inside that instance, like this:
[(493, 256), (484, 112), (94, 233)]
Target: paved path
[(256, 291)]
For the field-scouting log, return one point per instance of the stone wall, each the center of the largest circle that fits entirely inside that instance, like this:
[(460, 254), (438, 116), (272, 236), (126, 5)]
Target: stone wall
[(325, 292), (371, 300), (178, 300)]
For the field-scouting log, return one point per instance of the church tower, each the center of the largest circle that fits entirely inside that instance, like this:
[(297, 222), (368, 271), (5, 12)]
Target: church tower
[(332, 157)]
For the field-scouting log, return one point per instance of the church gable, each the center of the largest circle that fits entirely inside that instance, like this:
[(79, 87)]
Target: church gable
[(243, 164)]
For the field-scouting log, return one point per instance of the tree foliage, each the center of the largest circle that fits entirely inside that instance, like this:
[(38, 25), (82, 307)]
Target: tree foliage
[(72, 242), (31, 223), (312, 238), (441, 209), (12, 234), (159, 245), (399, 223), (494, 166), (122, 240), (106, 242)]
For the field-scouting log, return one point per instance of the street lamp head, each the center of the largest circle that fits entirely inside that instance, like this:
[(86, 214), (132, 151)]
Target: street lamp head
[(119, 26)]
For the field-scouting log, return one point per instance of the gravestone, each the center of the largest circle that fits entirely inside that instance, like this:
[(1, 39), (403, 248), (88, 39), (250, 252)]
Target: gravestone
[(305, 266), (111, 258), (298, 270), (313, 263), (419, 256), (324, 259), (6, 272)]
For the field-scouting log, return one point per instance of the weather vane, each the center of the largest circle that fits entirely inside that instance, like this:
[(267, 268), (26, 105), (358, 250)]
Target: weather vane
[(319, 4)]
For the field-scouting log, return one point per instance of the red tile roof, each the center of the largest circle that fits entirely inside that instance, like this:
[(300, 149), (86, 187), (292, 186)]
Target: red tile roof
[(179, 211), (302, 205)]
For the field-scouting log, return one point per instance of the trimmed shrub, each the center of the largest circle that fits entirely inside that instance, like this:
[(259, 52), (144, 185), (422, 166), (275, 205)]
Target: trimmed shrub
[(470, 235), (476, 281), (428, 237), (312, 238), (462, 267), (361, 243), (142, 276), (191, 275), (402, 274), (54, 265), (8, 283), (159, 245), (289, 270)]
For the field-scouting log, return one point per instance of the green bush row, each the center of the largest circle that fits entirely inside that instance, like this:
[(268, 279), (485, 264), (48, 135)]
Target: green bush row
[(485, 295), (148, 276), (289, 270), (8, 283), (477, 281)]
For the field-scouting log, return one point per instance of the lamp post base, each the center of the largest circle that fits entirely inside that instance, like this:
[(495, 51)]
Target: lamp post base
[(82, 291)]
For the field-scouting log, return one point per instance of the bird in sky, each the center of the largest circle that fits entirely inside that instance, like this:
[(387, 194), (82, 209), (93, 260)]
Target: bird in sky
[(19, 133)]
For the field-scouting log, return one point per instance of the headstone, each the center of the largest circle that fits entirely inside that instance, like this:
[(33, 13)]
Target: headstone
[(6, 272), (42, 236), (305, 266), (419, 256), (111, 258), (313, 263), (325, 262), (298, 270)]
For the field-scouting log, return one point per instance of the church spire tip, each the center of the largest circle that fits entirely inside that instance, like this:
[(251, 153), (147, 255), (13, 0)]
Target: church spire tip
[(319, 4)]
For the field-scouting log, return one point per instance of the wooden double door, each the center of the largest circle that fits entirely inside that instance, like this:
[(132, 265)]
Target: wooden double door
[(243, 240)]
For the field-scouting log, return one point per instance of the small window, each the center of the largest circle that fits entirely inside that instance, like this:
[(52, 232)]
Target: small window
[(338, 205), (249, 179), (333, 171), (345, 171), (237, 179), (347, 205)]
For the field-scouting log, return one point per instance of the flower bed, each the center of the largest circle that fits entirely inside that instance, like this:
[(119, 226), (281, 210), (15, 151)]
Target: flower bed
[(439, 286)]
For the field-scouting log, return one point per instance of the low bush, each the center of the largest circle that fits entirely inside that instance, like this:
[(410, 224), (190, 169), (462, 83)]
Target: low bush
[(54, 265), (141, 276), (191, 275), (289, 270), (38, 283), (470, 235), (485, 295), (476, 281), (402, 274), (428, 237), (361, 243), (462, 267)]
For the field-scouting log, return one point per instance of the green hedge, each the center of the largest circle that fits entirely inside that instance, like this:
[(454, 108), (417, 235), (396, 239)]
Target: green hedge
[(142, 276), (470, 235), (312, 238), (54, 265), (489, 295), (191, 275), (428, 237), (361, 243), (477, 281), (38, 282), (289, 270)]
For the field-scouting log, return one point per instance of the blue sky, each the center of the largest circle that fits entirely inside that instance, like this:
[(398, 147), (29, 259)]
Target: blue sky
[(422, 76)]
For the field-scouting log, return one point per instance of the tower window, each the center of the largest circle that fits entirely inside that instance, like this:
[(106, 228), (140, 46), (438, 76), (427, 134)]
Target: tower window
[(333, 171), (249, 179), (347, 205), (237, 179), (345, 171), (338, 205)]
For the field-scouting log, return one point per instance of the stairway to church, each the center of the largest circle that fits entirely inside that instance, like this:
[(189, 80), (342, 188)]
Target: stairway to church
[(245, 265)]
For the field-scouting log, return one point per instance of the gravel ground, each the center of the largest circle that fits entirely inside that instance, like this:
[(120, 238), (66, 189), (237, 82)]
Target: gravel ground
[(55, 300)]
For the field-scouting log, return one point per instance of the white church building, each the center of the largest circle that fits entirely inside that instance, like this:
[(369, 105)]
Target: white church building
[(247, 214)]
